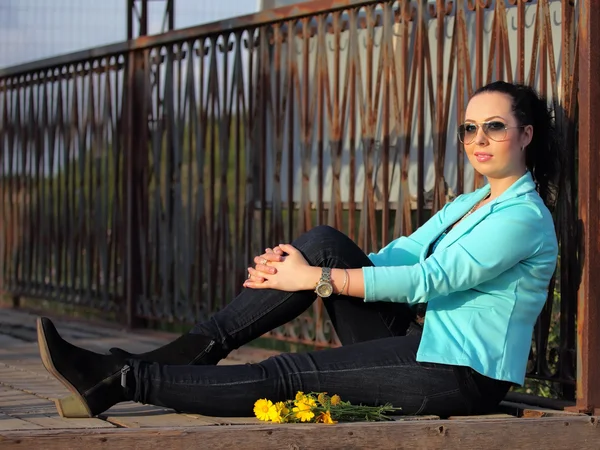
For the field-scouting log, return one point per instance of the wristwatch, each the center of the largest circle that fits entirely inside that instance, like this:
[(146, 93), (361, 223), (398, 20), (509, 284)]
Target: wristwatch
[(324, 287)]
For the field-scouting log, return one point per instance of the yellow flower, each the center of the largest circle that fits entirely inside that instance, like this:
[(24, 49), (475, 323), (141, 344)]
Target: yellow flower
[(261, 409), (325, 417), (278, 412), (300, 396), (335, 399), (281, 408), (303, 409), (322, 398), (308, 401), (304, 413)]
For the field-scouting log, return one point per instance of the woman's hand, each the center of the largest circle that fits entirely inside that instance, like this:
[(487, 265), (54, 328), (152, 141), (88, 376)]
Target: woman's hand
[(262, 261), (291, 274)]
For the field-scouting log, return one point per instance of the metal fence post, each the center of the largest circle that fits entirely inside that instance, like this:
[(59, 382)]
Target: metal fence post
[(134, 188), (588, 313)]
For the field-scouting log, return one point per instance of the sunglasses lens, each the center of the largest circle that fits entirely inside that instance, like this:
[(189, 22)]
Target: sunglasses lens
[(467, 132), (495, 130)]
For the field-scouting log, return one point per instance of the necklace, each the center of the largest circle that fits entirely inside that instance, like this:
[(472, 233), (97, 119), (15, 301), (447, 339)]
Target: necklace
[(476, 205)]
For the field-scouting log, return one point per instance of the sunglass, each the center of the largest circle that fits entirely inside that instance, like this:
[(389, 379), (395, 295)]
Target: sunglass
[(495, 130)]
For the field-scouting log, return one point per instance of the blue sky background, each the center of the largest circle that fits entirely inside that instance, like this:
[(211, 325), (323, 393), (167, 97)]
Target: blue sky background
[(35, 29)]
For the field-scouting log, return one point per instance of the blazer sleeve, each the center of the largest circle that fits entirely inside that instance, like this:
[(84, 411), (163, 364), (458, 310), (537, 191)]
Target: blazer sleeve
[(497, 243), (406, 250)]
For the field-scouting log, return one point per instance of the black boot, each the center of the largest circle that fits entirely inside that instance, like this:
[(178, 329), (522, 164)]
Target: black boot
[(94, 379), (187, 349)]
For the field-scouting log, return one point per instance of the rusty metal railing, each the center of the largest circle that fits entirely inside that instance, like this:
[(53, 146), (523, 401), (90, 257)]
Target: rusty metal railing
[(140, 178)]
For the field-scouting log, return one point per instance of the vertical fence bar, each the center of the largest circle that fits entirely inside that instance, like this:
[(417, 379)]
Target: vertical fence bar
[(588, 314), (135, 153)]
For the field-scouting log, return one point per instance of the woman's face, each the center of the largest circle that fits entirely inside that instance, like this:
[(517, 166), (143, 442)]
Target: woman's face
[(492, 136)]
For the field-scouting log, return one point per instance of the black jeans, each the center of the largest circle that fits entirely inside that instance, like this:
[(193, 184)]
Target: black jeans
[(376, 364)]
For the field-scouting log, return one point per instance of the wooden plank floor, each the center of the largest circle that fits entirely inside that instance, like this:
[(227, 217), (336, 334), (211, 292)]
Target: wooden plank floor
[(28, 417), (27, 390)]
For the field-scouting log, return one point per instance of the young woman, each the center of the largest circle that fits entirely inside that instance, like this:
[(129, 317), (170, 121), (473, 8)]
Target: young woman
[(482, 265)]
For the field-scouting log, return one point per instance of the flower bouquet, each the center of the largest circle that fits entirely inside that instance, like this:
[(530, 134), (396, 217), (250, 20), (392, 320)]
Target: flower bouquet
[(318, 407)]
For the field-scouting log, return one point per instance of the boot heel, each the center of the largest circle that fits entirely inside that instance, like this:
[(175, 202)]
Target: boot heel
[(72, 406)]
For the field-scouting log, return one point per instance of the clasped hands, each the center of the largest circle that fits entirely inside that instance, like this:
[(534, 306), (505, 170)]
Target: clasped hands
[(283, 268)]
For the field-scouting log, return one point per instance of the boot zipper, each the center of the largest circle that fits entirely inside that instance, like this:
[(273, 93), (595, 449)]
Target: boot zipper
[(124, 371), (203, 352)]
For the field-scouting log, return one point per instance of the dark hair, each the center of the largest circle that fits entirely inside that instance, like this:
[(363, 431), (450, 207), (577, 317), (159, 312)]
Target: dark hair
[(542, 155)]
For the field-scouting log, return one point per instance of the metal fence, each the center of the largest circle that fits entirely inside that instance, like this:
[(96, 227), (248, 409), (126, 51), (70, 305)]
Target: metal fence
[(140, 178), (34, 29)]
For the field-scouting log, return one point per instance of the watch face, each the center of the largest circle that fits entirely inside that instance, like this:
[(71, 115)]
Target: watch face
[(324, 289)]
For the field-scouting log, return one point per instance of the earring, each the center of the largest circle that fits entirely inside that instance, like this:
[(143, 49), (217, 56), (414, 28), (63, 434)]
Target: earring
[(523, 148)]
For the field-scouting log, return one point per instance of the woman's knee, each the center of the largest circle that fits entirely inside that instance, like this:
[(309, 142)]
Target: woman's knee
[(326, 230), (323, 232), (318, 237), (319, 242), (325, 244)]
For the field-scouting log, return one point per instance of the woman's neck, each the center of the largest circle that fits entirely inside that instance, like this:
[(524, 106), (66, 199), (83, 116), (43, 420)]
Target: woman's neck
[(499, 185)]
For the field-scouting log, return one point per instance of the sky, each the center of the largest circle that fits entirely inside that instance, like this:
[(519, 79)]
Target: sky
[(36, 29)]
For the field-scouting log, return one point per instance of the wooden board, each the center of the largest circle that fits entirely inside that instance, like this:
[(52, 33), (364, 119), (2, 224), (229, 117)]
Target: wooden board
[(227, 420), (154, 421), (8, 340), (482, 417), (13, 423), (42, 385), (582, 433), (57, 422), (26, 411), (405, 418), (136, 415), (168, 420), (528, 411), (12, 399)]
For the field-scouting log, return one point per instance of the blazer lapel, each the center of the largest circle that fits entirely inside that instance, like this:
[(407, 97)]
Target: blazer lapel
[(453, 215), (466, 224), (522, 186)]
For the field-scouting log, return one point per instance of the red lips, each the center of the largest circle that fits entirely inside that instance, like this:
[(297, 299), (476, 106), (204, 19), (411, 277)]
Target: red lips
[(482, 157)]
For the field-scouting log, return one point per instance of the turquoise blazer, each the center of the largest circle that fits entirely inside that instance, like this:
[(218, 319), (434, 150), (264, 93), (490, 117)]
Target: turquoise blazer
[(485, 283)]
